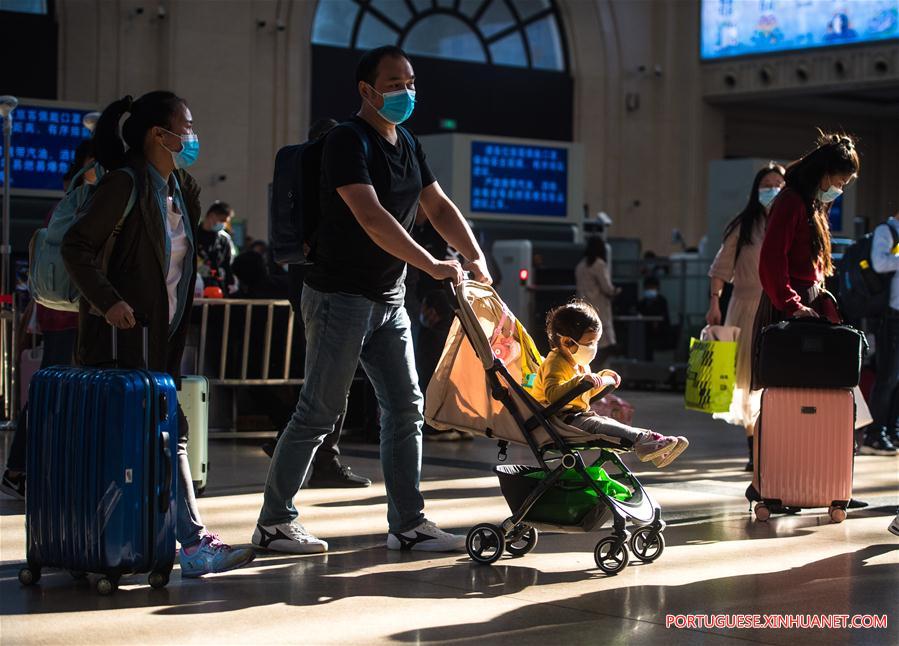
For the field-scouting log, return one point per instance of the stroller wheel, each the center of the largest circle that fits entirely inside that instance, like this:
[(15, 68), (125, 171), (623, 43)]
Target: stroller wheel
[(647, 544), (611, 555), (485, 543), (525, 543)]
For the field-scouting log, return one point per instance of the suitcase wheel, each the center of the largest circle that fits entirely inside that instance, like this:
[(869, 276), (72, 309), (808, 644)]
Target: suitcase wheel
[(106, 586), (762, 513), (29, 575), (837, 514), (158, 579)]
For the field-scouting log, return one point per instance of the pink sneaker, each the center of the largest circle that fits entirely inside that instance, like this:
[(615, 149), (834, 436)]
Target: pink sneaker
[(653, 445), (667, 458)]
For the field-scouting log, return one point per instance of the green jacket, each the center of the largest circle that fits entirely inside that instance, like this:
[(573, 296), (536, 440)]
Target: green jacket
[(135, 271)]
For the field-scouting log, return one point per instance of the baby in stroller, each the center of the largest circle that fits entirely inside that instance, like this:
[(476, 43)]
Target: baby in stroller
[(487, 383), (574, 330)]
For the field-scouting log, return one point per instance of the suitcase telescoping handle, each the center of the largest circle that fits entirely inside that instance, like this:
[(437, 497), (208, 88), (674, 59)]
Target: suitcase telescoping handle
[(144, 324)]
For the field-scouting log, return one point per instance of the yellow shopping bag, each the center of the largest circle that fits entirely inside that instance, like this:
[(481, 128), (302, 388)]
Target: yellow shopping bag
[(711, 375)]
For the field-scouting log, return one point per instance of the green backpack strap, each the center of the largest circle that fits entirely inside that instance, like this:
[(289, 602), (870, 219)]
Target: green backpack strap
[(129, 206), (132, 199)]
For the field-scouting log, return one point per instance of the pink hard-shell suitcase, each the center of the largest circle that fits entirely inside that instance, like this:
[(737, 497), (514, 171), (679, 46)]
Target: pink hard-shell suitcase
[(803, 450)]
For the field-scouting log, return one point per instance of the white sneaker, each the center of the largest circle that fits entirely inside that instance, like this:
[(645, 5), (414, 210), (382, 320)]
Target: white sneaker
[(288, 537), (652, 445), (667, 458), (427, 537), (894, 526)]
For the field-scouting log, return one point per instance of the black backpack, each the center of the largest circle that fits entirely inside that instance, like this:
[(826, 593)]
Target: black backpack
[(295, 206), (864, 293)]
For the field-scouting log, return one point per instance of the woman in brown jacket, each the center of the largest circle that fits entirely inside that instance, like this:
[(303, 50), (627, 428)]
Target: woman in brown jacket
[(142, 265)]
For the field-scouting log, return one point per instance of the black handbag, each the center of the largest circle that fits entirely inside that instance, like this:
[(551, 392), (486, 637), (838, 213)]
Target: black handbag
[(809, 353)]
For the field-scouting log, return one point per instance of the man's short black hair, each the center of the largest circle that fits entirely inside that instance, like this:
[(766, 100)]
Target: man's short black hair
[(367, 69), (220, 208)]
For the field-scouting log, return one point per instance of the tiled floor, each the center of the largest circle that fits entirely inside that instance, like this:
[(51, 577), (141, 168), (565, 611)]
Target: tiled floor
[(717, 560)]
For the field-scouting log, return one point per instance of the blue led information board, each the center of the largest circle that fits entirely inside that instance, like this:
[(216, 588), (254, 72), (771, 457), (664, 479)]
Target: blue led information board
[(43, 145), (741, 27), (24, 6), (519, 179)]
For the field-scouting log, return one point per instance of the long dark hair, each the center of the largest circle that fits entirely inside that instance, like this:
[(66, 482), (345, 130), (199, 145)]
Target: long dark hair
[(596, 248), (753, 211), (834, 154), (151, 110)]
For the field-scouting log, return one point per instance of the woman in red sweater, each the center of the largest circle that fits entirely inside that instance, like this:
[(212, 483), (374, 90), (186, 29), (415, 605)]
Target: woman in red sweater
[(795, 257)]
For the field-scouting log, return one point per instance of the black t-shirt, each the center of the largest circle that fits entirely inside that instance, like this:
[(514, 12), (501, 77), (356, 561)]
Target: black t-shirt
[(345, 259)]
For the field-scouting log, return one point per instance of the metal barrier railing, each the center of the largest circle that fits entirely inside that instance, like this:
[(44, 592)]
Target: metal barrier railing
[(219, 374)]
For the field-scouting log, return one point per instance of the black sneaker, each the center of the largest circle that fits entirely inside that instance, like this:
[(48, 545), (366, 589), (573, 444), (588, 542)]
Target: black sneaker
[(877, 443), (340, 477), (13, 485), (893, 437)]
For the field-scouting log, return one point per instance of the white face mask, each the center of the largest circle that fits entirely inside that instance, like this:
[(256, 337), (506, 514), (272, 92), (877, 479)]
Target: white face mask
[(585, 353), (830, 194)]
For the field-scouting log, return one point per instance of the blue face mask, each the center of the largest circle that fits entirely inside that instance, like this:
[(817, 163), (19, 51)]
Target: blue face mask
[(218, 226), (650, 294), (767, 195), (190, 150), (830, 194), (398, 106)]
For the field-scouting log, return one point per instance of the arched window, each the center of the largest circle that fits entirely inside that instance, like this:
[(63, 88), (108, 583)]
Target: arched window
[(518, 33)]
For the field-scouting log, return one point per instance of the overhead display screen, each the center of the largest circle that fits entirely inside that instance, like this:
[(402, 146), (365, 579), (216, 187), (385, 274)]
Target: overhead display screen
[(24, 6), (43, 145), (519, 179), (745, 27)]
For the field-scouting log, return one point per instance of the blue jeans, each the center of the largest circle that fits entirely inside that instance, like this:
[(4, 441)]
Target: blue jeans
[(188, 525), (341, 331)]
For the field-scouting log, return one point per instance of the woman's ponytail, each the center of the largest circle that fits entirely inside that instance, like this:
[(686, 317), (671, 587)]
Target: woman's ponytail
[(109, 149)]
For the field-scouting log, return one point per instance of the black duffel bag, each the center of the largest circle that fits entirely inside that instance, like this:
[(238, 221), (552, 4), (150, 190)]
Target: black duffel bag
[(809, 353)]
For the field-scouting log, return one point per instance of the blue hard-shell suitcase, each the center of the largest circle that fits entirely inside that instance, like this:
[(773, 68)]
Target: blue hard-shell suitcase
[(102, 474)]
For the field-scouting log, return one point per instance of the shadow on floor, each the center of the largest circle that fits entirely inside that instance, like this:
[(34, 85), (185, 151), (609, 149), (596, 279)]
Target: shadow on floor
[(842, 584), (839, 584)]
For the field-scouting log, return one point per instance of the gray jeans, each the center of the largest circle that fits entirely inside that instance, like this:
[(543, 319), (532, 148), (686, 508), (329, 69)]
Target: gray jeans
[(610, 430)]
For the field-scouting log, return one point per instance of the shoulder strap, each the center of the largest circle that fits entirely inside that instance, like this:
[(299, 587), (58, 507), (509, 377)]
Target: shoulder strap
[(407, 136), (363, 136), (894, 231), (132, 199), (129, 206)]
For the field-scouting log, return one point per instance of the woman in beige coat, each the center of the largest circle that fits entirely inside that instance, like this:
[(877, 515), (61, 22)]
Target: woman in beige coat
[(593, 283), (737, 262)]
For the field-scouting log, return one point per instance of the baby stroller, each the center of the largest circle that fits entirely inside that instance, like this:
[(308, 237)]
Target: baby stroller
[(481, 385)]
